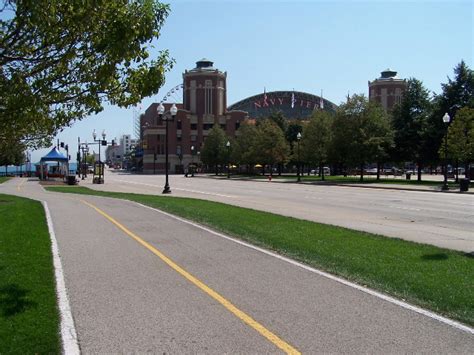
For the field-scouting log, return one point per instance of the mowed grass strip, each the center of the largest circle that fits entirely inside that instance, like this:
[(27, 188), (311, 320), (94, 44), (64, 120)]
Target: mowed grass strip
[(434, 278), (368, 179), (29, 319), (3, 179)]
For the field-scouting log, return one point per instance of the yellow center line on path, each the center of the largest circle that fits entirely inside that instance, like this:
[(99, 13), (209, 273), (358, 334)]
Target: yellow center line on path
[(210, 292), (18, 187)]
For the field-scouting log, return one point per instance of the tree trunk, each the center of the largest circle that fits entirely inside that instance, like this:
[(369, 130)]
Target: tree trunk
[(467, 172), (420, 166), (361, 172), (457, 171), (321, 170), (378, 171), (217, 170)]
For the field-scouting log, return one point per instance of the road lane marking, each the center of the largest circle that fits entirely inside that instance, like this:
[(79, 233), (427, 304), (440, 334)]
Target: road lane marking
[(68, 330), (273, 338), (176, 188), (19, 186), (369, 291)]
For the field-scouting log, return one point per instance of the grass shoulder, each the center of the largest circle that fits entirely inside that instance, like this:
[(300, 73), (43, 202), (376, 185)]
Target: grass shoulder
[(3, 179), (29, 318), (434, 278)]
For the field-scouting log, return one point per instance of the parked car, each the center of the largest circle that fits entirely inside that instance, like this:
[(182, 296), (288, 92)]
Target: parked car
[(327, 171)]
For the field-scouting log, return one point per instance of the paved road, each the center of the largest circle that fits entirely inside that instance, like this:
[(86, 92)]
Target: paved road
[(126, 298), (445, 220)]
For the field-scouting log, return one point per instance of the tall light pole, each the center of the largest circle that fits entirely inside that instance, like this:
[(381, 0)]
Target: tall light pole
[(446, 119), (298, 138), (192, 160), (228, 159), (173, 111), (99, 142)]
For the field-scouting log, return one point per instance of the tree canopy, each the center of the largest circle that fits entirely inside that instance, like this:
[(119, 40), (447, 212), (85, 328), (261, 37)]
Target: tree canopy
[(214, 151), (61, 60)]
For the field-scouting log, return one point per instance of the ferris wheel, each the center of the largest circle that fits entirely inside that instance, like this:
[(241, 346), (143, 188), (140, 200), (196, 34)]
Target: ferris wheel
[(174, 95)]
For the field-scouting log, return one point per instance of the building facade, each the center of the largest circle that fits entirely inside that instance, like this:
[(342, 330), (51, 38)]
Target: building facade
[(388, 89), (204, 105)]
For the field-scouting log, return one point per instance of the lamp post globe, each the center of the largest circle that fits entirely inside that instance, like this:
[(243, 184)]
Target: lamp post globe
[(160, 109), (298, 138), (446, 120)]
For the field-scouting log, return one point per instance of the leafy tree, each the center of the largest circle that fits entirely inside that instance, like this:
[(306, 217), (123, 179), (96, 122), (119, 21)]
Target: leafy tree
[(12, 154), (61, 60), (364, 134), (461, 138), (270, 146), (214, 151), (457, 93), (244, 151), (411, 124), (316, 140), (279, 118)]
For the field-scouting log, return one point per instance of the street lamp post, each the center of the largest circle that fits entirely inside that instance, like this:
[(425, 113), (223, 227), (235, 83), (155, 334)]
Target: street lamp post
[(192, 161), (446, 119), (298, 138), (173, 111), (228, 159), (99, 142)]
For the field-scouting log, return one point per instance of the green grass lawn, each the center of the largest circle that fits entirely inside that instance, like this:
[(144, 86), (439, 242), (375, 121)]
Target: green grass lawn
[(434, 278), (368, 179), (29, 320), (3, 179)]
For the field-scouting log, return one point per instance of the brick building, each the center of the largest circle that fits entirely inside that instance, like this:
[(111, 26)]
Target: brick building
[(204, 105), (388, 89)]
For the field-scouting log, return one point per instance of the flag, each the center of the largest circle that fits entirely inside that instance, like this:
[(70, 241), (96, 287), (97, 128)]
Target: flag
[(293, 99), (321, 101)]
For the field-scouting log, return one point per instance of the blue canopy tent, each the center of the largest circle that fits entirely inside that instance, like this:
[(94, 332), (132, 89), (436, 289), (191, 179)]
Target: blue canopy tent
[(56, 156)]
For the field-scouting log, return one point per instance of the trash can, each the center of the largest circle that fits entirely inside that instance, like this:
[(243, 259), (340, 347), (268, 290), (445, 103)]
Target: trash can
[(464, 185), (408, 176), (71, 180)]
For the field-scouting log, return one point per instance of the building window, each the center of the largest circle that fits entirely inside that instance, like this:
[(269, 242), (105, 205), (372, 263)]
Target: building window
[(178, 138), (224, 126), (194, 126), (207, 126), (193, 138), (237, 125), (178, 125), (208, 97)]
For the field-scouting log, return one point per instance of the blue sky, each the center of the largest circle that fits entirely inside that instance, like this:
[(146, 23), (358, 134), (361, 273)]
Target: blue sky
[(309, 46)]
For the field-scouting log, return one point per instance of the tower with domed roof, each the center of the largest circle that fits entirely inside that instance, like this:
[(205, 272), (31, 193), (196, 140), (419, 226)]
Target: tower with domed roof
[(388, 89)]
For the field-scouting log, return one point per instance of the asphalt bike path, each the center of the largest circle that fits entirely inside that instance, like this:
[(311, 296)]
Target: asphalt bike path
[(142, 281)]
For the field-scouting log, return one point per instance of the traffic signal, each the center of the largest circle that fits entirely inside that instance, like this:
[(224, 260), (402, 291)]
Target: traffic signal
[(104, 142), (62, 144)]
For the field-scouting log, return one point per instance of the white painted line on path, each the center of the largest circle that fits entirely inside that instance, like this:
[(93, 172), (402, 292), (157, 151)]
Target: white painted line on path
[(382, 296), (68, 331), (176, 188), (405, 208)]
